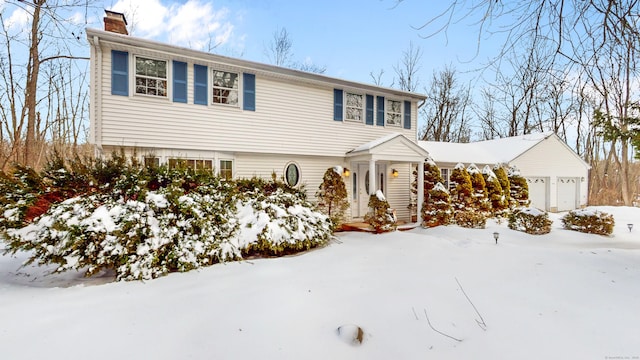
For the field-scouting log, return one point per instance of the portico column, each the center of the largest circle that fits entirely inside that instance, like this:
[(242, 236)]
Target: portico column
[(372, 177), (420, 191)]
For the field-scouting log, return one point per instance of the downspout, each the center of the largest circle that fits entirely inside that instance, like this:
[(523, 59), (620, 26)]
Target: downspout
[(96, 83)]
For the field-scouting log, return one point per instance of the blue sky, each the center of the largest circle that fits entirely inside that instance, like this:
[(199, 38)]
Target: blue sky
[(350, 38)]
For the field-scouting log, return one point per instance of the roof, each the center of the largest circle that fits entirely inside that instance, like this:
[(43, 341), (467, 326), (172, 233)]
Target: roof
[(97, 36), (495, 151), (393, 147)]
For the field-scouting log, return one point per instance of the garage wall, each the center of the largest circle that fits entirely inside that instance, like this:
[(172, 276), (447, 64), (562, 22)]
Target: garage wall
[(553, 160)]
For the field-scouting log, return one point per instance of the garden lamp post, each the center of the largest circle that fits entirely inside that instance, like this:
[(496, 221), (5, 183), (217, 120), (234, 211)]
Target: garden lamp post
[(496, 235), (630, 226)]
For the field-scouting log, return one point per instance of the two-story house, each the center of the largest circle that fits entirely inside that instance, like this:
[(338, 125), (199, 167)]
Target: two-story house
[(241, 118)]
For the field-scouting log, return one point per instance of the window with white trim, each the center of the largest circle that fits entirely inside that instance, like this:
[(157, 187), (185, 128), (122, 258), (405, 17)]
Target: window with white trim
[(292, 174), (225, 87), (151, 77), (354, 107), (151, 161), (226, 169), (444, 173), (197, 164), (394, 112)]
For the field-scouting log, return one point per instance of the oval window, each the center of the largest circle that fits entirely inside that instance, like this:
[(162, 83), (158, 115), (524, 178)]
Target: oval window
[(292, 174)]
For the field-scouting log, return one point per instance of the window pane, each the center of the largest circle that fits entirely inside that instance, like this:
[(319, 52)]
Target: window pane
[(225, 87), (354, 109), (151, 77), (292, 175)]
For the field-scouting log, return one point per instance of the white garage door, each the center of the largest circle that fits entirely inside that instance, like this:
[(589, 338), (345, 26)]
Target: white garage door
[(567, 193), (538, 190)]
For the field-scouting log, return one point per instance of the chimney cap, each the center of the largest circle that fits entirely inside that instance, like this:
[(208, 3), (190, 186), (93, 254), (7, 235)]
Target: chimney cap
[(116, 15)]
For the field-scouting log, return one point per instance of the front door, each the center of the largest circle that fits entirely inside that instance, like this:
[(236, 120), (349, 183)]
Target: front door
[(363, 188)]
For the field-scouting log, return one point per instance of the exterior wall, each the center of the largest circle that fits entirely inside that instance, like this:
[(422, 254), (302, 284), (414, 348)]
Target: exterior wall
[(290, 117), (552, 159), (399, 190)]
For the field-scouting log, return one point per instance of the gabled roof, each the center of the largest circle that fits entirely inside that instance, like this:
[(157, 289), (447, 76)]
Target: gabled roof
[(95, 36), (392, 147), (495, 151)]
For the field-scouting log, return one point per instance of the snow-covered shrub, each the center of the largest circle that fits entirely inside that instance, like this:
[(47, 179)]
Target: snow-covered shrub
[(495, 193), (332, 196), (503, 179), (589, 221), (280, 223), (380, 218), (461, 195), (187, 221), (530, 220), (432, 176), (519, 190), (437, 211), (470, 219), (479, 199)]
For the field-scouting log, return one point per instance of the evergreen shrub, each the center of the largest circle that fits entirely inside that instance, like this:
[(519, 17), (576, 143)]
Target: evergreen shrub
[(438, 210), (470, 219), (530, 220), (380, 218), (589, 221)]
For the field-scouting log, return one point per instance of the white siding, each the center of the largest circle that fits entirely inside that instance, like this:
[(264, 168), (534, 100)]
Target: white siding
[(289, 118), (399, 190)]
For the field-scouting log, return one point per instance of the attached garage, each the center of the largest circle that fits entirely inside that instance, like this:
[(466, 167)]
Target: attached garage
[(539, 192), (568, 190), (557, 177)]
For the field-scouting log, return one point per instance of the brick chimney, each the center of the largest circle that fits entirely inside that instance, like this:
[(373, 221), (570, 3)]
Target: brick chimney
[(115, 22)]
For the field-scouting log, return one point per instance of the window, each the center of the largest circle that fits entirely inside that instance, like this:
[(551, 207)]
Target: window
[(366, 183), (151, 77), (226, 169), (355, 186), (394, 112), (150, 161), (445, 177), (191, 164), (292, 174), (354, 107), (225, 87)]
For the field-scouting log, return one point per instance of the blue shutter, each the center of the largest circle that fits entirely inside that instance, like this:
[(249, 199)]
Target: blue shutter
[(380, 111), (119, 73), (249, 92), (200, 85), (369, 110), (179, 82), (337, 104), (407, 114)]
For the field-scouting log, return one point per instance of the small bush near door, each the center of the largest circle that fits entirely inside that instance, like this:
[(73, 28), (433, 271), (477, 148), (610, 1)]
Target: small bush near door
[(589, 221), (380, 218)]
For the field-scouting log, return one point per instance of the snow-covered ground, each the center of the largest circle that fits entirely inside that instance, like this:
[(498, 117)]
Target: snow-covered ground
[(564, 295)]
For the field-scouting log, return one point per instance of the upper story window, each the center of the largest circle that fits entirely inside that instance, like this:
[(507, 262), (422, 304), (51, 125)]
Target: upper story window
[(394, 112), (151, 77), (225, 87), (354, 110)]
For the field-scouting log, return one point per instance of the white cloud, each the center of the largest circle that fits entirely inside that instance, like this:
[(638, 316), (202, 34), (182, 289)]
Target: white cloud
[(18, 19), (196, 24)]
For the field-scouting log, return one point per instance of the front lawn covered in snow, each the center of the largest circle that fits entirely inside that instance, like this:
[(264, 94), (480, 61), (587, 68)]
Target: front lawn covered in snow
[(145, 222), (561, 295)]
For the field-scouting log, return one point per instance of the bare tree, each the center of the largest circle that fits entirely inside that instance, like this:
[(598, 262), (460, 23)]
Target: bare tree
[(46, 41), (280, 53), (445, 109), (280, 49), (408, 68)]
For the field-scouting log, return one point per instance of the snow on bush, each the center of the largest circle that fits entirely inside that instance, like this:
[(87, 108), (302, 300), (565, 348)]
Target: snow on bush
[(530, 220), (381, 218), (589, 221), (438, 210), (146, 223), (470, 219)]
